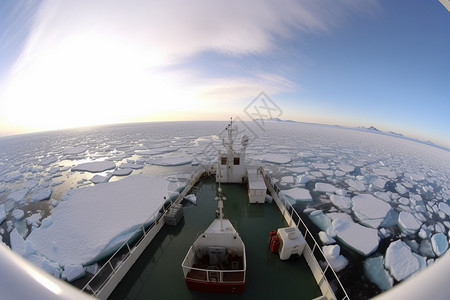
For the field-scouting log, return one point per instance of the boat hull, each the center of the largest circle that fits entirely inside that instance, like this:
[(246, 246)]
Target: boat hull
[(215, 287)]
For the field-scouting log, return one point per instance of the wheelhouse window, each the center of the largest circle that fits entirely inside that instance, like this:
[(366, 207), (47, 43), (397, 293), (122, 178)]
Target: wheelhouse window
[(236, 161), (223, 160)]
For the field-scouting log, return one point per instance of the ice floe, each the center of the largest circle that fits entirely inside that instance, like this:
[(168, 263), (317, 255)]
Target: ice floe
[(276, 158), (171, 161), (341, 202), (75, 150), (375, 271), (408, 223), (41, 194), (191, 198), (73, 272), (93, 216), (370, 210), (336, 260), (361, 239), (297, 194), (439, 243), (2, 213), (400, 261), (17, 196), (325, 187), (95, 166)]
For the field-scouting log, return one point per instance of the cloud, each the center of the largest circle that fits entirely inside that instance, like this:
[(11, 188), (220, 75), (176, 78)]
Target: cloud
[(102, 55)]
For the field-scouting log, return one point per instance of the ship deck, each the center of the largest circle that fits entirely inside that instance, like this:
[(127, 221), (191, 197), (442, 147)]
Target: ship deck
[(157, 274)]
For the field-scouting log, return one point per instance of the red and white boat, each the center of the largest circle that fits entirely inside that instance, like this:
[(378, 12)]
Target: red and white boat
[(216, 261)]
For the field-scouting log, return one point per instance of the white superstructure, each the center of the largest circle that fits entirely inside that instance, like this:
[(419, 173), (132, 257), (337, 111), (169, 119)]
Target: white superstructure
[(232, 167)]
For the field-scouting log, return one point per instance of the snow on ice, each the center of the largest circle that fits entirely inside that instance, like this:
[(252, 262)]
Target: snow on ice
[(92, 223)]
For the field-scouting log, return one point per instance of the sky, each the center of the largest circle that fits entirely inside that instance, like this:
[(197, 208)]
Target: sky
[(66, 64)]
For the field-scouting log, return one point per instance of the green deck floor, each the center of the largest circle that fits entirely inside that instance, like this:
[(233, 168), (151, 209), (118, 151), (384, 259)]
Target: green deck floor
[(158, 274)]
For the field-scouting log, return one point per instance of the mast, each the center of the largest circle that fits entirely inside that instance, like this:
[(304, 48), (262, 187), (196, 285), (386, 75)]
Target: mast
[(230, 151)]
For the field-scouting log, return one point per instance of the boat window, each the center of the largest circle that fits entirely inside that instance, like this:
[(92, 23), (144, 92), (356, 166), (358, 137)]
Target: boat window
[(236, 161), (223, 160)]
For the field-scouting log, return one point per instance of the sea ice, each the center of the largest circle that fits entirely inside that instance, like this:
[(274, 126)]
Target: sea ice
[(95, 220), (299, 170), (370, 210), (2, 213), (337, 261), (122, 172), (40, 195), (191, 198), (439, 243), (408, 223), (156, 151), (320, 166), (356, 185), (298, 194), (341, 202), (426, 249), (18, 196), (75, 150), (18, 214), (325, 187), (346, 168), (445, 208), (385, 172), (131, 166), (400, 189), (304, 179), (171, 161), (400, 261), (34, 218), (326, 239), (379, 183), (361, 239), (288, 179), (13, 177), (17, 242), (95, 166), (375, 271), (276, 158), (100, 179), (73, 272), (320, 219)]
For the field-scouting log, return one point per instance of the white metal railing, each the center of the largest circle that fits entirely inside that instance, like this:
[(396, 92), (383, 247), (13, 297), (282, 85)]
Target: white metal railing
[(287, 208), (108, 269), (221, 278)]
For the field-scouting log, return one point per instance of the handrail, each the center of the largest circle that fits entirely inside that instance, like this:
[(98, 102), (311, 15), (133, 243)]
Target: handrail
[(288, 206), (153, 219)]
